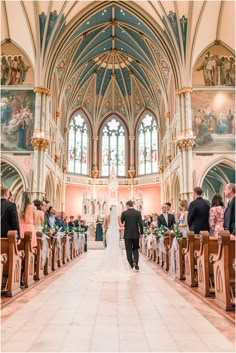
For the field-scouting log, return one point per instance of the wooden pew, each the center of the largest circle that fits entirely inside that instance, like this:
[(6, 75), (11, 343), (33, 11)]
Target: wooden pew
[(164, 251), (190, 262), (39, 263), (205, 272), (12, 267), (66, 252), (3, 261), (176, 256), (48, 264), (224, 271), (29, 258)]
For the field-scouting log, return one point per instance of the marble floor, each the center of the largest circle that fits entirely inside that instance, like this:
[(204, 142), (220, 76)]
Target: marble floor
[(73, 313)]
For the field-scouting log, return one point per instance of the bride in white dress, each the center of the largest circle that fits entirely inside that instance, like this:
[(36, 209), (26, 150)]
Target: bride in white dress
[(113, 267)]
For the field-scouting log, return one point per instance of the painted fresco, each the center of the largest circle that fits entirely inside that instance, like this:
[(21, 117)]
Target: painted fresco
[(13, 70), (214, 120), (17, 120), (215, 67)]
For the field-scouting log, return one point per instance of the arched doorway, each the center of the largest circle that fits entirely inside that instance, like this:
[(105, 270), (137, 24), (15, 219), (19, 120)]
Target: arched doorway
[(12, 179), (216, 178)]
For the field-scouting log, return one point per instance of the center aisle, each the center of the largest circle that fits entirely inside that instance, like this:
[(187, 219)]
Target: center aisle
[(77, 314)]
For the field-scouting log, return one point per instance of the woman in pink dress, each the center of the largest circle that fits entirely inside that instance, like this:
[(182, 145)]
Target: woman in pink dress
[(216, 215), (27, 217)]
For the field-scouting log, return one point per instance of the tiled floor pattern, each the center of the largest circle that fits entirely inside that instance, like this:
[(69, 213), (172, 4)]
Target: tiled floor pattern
[(77, 314)]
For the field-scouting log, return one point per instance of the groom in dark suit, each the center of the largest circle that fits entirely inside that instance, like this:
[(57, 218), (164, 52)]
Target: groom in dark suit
[(229, 216), (132, 220)]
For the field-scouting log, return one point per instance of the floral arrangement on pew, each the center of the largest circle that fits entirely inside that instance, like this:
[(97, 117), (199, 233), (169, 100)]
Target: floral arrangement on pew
[(177, 233), (162, 230)]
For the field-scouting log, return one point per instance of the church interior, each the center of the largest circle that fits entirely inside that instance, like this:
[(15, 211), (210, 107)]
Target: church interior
[(104, 102)]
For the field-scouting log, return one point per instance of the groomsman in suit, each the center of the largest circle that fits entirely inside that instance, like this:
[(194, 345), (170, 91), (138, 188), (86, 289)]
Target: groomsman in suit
[(198, 212), (132, 220), (229, 216), (9, 216), (166, 219)]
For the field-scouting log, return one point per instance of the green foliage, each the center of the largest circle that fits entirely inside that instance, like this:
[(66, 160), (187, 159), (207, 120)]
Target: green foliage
[(176, 231)]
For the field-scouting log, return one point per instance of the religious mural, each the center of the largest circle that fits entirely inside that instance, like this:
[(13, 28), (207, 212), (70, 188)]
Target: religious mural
[(13, 70), (17, 119), (214, 120), (215, 67)]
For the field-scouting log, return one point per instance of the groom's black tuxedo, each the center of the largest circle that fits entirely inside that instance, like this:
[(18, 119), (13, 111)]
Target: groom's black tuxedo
[(133, 228), (133, 223)]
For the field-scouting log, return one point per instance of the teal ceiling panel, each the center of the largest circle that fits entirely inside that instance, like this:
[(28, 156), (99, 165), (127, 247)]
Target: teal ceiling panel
[(125, 16), (102, 48), (140, 42), (106, 81), (98, 18)]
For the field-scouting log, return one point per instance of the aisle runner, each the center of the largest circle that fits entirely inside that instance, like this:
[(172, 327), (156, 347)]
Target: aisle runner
[(98, 245)]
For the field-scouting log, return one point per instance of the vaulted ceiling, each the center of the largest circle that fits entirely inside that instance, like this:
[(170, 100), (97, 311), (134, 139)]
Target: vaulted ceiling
[(127, 46)]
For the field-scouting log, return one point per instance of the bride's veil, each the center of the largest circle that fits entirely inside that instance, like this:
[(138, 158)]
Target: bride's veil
[(113, 231), (113, 267)]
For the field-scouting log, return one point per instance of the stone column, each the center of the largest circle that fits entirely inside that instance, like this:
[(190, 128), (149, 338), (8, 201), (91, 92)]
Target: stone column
[(40, 142), (185, 142), (95, 172), (131, 146), (40, 145)]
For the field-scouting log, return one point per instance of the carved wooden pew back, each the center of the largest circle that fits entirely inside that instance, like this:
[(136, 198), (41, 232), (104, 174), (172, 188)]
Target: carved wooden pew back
[(193, 243), (224, 271), (29, 258), (12, 267), (205, 274)]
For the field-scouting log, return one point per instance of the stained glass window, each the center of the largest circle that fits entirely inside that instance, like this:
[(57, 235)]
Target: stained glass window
[(113, 148), (78, 145), (147, 145)]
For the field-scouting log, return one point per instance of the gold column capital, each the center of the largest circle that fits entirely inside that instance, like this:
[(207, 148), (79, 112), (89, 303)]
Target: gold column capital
[(57, 158), (95, 138), (132, 138), (94, 173), (167, 115), (40, 143), (40, 89), (183, 90), (65, 169), (131, 173), (185, 144), (161, 169)]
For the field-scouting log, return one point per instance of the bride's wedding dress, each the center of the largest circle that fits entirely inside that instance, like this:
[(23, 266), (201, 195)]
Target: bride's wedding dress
[(113, 268)]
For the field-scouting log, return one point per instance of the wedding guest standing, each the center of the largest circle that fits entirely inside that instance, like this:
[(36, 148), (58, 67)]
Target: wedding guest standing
[(198, 212), (216, 214), (39, 215), (165, 219), (183, 217), (229, 215), (99, 230), (9, 216), (27, 217)]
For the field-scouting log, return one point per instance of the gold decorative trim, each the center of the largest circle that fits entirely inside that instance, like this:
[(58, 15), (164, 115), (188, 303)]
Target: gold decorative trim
[(65, 169), (161, 169), (40, 143), (131, 173), (169, 157), (58, 114), (40, 89), (183, 90), (94, 173), (167, 115), (185, 144), (57, 158)]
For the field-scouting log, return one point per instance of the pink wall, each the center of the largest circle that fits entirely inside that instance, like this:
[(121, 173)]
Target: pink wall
[(74, 197), (151, 198)]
